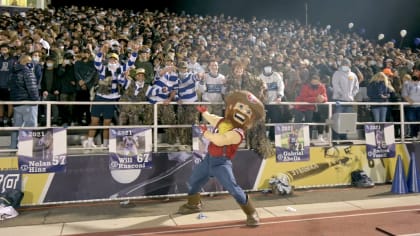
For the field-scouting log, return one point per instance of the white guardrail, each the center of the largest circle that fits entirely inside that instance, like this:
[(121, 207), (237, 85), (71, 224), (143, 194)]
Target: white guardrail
[(5, 131)]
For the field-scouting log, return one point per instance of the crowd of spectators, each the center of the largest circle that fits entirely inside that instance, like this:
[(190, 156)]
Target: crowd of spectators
[(56, 37)]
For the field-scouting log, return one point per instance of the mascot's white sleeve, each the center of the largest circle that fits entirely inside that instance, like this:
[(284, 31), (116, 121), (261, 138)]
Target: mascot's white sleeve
[(227, 138)]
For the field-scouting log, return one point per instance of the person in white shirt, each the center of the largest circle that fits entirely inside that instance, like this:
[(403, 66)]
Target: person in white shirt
[(212, 88), (274, 86)]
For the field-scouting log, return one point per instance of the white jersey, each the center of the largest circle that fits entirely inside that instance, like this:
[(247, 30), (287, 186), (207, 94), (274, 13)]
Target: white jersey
[(212, 88), (274, 85)]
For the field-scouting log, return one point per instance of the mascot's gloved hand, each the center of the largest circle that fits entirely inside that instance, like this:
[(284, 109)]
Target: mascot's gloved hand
[(201, 108), (203, 128)]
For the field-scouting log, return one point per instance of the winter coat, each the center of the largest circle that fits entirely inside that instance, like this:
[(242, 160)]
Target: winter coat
[(23, 84), (309, 94)]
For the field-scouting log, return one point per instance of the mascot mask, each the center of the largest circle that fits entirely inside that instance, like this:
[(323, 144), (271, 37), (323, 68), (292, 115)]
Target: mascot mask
[(243, 109)]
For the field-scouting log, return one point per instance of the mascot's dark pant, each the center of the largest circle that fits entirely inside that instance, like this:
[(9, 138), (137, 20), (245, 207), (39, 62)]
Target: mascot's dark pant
[(221, 168)]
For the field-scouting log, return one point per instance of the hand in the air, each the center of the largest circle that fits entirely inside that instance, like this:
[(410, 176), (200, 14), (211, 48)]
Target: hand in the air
[(201, 108)]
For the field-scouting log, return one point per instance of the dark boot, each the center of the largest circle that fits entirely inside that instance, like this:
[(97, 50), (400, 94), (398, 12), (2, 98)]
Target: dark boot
[(193, 205), (252, 218)]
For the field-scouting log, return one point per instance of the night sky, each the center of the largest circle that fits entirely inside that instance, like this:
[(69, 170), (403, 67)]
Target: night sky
[(374, 16)]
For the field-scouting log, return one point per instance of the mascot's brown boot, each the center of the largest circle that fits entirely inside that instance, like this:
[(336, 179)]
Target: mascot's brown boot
[(192, 206), (252, 218)]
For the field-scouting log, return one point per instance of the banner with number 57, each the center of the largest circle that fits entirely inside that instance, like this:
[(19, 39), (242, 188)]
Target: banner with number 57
[(42, 150)]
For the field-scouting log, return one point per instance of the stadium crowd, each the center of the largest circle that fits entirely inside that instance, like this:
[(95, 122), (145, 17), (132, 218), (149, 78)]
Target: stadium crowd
[(190, 58)]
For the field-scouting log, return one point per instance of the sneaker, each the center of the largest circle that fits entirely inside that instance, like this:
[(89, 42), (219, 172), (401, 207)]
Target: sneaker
[(87, 144), (7, 212), (321, 138), (361, 180)]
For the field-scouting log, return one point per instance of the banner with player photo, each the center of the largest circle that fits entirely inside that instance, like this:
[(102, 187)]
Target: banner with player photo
[(380, 140), (292, 142), (42, 150), (130, 148)]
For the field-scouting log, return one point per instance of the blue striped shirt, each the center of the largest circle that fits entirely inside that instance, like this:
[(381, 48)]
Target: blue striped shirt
[(118, 76), (187, 88), (155, 93)]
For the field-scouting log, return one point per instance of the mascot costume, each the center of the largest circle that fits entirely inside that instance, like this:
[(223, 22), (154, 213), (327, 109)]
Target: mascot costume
[(243, 109)]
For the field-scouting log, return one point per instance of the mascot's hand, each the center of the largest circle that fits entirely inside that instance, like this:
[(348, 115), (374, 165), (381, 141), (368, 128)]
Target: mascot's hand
[(201, 108), (203, 128)]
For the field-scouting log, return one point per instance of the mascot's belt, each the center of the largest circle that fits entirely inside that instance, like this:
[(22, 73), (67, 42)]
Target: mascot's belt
[(225, 151)]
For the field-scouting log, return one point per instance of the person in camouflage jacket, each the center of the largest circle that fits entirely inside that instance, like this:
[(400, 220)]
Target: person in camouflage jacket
[(135, 91), (239, 79)]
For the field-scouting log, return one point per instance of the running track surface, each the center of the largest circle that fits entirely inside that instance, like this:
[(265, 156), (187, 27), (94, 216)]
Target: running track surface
[(385, 221)]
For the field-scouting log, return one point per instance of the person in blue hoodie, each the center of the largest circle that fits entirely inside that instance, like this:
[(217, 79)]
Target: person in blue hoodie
[(379, 89)]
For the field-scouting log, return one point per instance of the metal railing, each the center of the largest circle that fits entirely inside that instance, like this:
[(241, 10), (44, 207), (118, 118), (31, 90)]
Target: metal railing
[(156, 125)]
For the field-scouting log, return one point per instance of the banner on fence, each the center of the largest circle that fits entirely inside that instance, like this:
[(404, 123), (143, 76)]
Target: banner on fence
[(130, 150), (380, 140), (42, 150), (292, 142)]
